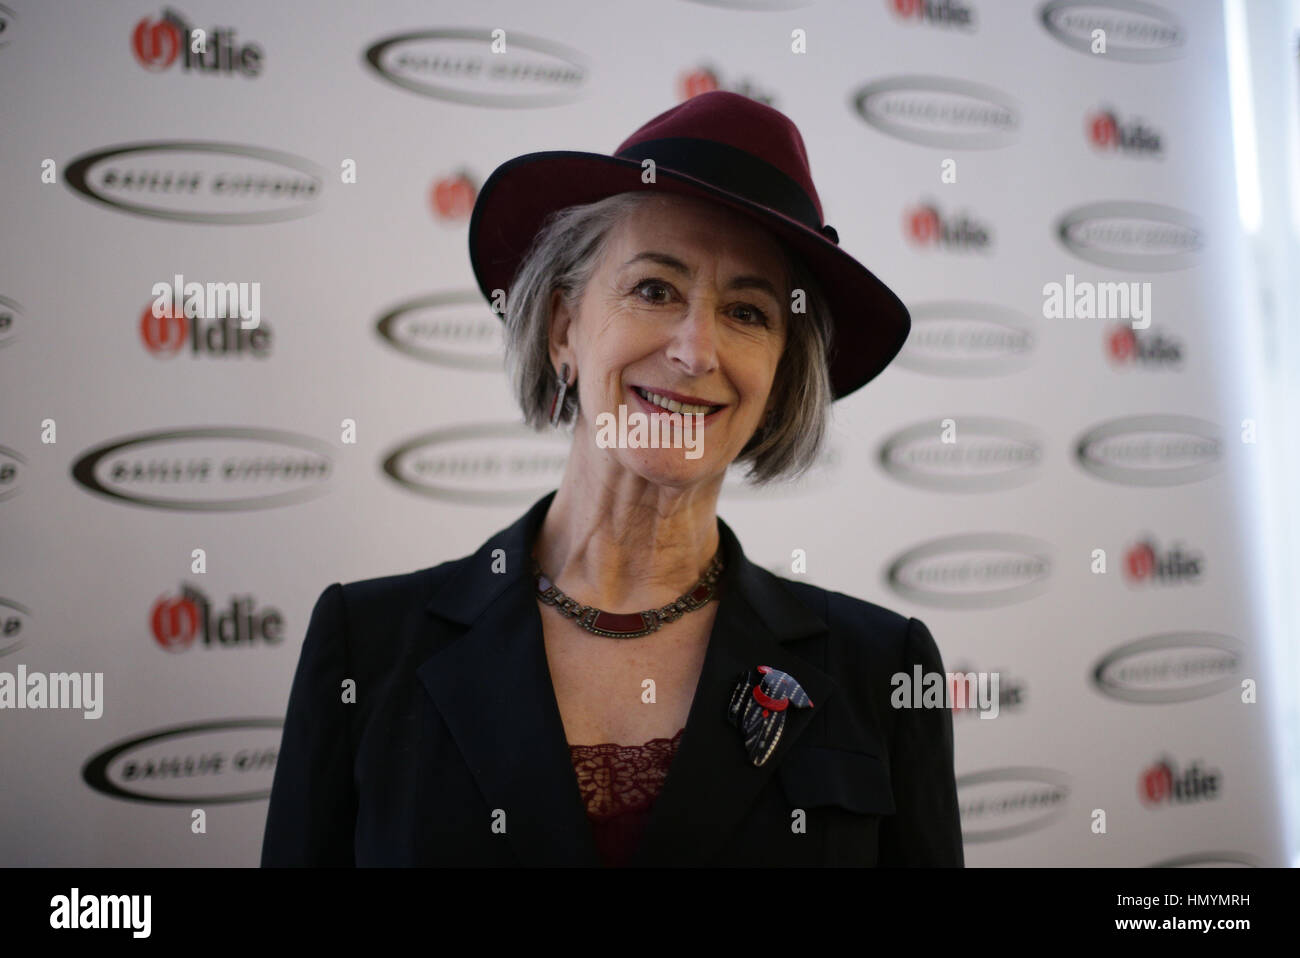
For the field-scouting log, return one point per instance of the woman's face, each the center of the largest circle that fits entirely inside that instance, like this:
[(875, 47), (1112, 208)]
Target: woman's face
[(688, 303)]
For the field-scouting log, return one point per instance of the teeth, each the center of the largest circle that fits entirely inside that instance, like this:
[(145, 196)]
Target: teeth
[(672, 405)]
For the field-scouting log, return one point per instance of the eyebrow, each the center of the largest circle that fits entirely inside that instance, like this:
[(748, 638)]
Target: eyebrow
[(672, 262)]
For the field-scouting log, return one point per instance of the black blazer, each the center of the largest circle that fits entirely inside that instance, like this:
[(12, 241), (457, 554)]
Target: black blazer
[(455, 717)]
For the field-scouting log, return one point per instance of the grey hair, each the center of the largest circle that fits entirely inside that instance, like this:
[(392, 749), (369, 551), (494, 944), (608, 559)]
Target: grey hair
[(564, 255)]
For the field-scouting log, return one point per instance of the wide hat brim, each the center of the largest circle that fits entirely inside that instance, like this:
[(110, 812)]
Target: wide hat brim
[(870, 322)]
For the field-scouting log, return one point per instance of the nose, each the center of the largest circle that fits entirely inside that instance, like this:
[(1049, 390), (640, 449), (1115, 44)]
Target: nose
[(694, 347)]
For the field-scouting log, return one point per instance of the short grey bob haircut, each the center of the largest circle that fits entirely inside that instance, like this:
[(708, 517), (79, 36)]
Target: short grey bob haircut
[(564, 255)]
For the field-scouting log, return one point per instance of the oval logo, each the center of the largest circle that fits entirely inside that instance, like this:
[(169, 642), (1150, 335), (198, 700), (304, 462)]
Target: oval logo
[(1151, 450), (209, 762), (212, 469), (937, 111), (8, 25), (987, 454), (976, 570), (1002, 803), (734, 486), (12, 466), (15, 624), (1209, 860), (450, 329), (966, 339), (199, 182), (1172, 667), (1133, 236), (1135, 32), (481, 463), (458, 65), (10, 319)]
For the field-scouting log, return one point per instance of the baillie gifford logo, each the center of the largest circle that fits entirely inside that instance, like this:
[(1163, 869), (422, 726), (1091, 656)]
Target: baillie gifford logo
[(926, 227), (158, 44), (180, 622), (1107, 133)]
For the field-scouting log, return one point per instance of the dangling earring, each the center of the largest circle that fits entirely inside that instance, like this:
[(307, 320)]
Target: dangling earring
[(561, 387)]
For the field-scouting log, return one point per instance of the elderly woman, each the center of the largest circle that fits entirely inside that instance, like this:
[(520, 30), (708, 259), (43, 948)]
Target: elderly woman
[(609, 680)]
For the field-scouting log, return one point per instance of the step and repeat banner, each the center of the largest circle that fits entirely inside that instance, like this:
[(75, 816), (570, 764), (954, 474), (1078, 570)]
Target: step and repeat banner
[(1055, 475)]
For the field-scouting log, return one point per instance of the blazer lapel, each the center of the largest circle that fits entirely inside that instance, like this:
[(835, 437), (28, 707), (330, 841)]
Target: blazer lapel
[(493, 687), (712, 784)]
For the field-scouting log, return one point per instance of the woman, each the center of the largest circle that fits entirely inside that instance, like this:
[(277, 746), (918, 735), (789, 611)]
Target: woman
[(510, 707)]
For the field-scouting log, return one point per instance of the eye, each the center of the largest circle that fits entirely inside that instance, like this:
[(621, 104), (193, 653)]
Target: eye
[(653, 284), (755, 317)]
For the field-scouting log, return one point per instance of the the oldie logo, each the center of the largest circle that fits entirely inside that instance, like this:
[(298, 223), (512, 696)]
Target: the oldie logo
[(459, 65), (975, 570), (1003, 803), (1107, 133), (10, 320), (925, 227), (1151, 450), (480, 464), (1164, 783), (199, 181), (937, 111), (157, 44), (941, 13), (450, 329), (1129, 347), (1134, 236), (705, 79), (1170, 667), (985, 454), (208, 469), (167, 335), (187, 619), (451, 198), (1135, 32), (200, 764), (966, 339), (1145, 563), (15, 623), (12, 467), (1010, 690)]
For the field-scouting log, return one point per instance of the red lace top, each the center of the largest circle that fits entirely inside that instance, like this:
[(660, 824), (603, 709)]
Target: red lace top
[(619, 785)]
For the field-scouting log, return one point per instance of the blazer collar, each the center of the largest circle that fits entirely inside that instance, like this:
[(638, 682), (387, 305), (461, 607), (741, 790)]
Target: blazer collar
[(493, 687)]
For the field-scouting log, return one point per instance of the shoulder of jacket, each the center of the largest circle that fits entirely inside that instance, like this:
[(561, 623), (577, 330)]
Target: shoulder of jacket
[(851, 619)]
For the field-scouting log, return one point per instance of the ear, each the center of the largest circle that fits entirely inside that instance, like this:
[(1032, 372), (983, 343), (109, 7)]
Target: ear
[(558, 333)]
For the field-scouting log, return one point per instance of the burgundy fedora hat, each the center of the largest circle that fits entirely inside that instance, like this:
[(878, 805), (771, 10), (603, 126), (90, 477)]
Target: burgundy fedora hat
[(718, 146)]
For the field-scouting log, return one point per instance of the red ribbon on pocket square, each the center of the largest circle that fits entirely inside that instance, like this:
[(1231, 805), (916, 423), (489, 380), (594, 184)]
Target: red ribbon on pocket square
[(758, 708)]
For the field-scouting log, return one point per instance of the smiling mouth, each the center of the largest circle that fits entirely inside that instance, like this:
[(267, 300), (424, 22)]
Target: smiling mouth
[(673, 405)]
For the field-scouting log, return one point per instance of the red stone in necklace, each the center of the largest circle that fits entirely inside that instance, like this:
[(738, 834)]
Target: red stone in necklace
[(629, 625)]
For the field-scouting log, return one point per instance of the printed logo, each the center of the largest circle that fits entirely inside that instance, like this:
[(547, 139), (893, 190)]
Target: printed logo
[(939, 13), (1126, 347), (452, 197), (1135, 32), (938, 111), (977, 570), (157, 44), (966, 339), (1003, 803), (1151, 450), (15, 624), (705, 79), (208, 469), (8, 25), (458, 65), (1164, 783), (925, 227), (986, 454), (198, 182), (204, 763), (1134, 236), (182, 621), (1210, 860), (1010, 691), (166, 335), (451, 329), (1170, 667), (1107, 133), (10, 320), (12, 466), (1146, 564)]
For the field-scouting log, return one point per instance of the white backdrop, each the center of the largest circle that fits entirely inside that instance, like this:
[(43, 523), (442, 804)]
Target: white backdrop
[(1073, 435)]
